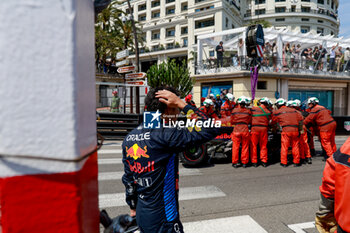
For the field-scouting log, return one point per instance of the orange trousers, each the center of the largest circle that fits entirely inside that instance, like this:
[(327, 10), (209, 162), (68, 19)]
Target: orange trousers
[(287, 139), (237, 139), (261, 139), (328, 142), (304, 146)]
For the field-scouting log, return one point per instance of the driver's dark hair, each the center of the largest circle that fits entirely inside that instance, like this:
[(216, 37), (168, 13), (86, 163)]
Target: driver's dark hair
[(153, 104)]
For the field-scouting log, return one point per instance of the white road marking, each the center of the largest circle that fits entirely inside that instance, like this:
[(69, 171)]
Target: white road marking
[(188, 193), (298, 228), (239, 224), (110, 161), (112, 151), (118, 175)]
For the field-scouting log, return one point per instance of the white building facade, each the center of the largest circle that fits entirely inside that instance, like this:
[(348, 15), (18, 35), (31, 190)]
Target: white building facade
[(171, 27), (315, 16)]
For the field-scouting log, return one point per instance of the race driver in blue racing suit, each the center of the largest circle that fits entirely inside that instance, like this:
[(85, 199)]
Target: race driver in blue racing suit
[(151, 162)]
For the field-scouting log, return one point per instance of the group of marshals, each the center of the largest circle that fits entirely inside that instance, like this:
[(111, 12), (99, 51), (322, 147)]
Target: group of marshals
[(251, 125), (292, 123)]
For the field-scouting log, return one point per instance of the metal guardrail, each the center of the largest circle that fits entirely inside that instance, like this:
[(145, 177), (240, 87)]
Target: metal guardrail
[(115, 126), (299, 65), (340, 125)]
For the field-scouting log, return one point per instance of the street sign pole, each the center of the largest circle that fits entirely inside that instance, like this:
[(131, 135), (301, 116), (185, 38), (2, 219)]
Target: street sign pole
[(136, 56), (124, 96), (131, 100), (137, 100)]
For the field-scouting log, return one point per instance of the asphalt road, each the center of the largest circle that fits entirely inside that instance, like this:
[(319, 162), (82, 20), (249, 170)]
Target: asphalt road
[(271, 199)]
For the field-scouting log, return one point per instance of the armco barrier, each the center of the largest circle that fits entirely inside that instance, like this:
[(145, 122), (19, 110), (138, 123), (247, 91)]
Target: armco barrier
[(115, 126), (341, 126)]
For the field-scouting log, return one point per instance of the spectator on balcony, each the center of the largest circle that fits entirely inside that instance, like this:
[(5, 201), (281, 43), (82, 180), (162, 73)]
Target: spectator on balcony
[(304, 57), (267, 54), (296, 53), (339, 57), (220, 54), (240, 52), (274, 56), (292, 56), (347, 59), (323, 52), (316, 56), (288, 55), (332, 58)]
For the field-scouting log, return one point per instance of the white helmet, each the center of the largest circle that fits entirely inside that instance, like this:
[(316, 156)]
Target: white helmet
[(230, 97), (249, 100), (280, 102), (290, 103), (208, 102), (264, 100), (243, 100), (297, 103), (211, 96), (313, 100)]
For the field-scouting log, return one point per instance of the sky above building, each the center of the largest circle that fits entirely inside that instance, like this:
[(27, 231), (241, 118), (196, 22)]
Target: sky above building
[(344, 15)]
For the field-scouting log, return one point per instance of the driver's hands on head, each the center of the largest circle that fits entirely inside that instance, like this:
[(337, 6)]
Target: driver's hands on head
[(132, 212), (170, 99)]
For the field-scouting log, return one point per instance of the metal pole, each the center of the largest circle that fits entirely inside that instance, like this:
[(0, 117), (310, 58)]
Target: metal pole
[(137, 100), (131, 100), (137, 60), (124, 97)]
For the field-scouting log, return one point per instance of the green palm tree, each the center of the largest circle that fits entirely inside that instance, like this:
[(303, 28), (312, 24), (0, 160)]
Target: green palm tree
[(171, 74), (112, 34)]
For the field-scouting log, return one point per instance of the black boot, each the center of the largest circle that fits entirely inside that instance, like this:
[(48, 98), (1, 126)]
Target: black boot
[(313, 152), (296, 164), (236, 165), (245, 165), (264, 164), (283, 165), (302, 161), (309, 160), (255, 164), (325, 157)]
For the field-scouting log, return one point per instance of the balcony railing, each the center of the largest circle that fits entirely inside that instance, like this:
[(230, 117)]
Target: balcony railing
[(319, 11), (302, 65)]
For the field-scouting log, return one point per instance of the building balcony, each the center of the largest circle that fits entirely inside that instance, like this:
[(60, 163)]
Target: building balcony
[(321, 12), (287, 66)]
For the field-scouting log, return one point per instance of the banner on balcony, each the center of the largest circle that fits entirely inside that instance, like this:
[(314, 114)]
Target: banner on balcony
[(254, 72)]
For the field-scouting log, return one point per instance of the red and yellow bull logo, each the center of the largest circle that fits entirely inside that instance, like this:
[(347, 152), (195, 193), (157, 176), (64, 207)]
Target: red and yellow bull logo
[(136, 152)]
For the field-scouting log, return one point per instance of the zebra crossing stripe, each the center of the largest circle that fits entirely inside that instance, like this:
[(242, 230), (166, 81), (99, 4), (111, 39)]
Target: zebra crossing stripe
[(109, 161), (299, 227), (187, 193), (118, 175), (112, 151), (238, 224)]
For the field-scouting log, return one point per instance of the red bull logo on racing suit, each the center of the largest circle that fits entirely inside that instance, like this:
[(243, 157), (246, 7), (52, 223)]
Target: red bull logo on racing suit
[(136, 152)]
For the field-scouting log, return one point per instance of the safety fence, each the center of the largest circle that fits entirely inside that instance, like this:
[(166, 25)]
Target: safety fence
[(289, 64), (115, 126)]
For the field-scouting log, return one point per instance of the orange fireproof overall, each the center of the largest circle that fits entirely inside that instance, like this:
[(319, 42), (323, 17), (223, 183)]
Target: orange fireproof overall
[(326, 126), (258, 135), (227, 108), (209, 112), (289, 120), (241, 117)]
